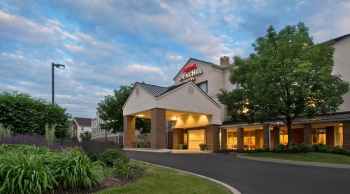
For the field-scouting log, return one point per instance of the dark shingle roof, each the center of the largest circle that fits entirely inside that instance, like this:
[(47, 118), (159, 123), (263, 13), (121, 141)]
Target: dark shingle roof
[(340, 38), (83, 121), (157, 91)]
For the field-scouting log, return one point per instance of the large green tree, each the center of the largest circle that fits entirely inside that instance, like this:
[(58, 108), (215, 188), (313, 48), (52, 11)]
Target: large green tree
[(111, 111), (287, 76), (27, 115)]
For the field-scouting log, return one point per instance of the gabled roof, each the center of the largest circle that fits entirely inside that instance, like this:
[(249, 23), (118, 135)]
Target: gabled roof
[(83, 121), (157, 91), (341, 38)]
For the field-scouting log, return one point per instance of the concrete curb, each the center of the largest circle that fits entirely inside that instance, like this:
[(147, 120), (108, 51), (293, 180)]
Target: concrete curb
[(233, 190), (344, 166), (148, 150)]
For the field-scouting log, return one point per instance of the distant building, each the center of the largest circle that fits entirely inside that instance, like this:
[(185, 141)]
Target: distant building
[(80, 125), (100, 134)]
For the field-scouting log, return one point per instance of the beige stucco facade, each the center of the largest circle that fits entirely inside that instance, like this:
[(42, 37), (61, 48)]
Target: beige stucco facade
[(342, 67)]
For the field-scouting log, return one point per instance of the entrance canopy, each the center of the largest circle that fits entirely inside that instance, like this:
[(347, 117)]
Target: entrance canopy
[(185, 104)]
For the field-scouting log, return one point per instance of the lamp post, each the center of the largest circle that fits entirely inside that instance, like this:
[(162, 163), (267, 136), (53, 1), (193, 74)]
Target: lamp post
[(53, 80)]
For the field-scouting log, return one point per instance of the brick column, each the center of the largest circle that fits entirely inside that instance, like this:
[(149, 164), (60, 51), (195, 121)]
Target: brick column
[(240, 138), (307, 134), (275, 137), (346, 135), (212, 136), (178, 137), (223, 138), (158, 128), (266, 130), (129, 130), (330, 137)]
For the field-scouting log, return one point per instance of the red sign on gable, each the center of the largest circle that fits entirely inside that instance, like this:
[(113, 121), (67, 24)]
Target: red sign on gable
[(189, 68)]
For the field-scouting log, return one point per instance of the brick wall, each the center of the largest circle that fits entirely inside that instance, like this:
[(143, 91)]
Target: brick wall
[(346, 135), (330, 137), (298, 135), (212, 136), (307, 134), (223, 138), (266, 136), (158, 128), (129, 130), (275, 137), (178, 137)]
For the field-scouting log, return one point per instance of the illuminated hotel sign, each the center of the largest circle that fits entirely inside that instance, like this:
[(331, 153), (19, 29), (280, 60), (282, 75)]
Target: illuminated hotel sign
[(189, 73)]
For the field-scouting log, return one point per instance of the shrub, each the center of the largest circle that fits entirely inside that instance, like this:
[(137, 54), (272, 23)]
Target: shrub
[(340, 150), (281, 146), (22, 170), (277, 149), (294, 145), (306, 148), (73, 169), (93, 148), (27, 115), (110, 156), (259, 150), (321, 148)]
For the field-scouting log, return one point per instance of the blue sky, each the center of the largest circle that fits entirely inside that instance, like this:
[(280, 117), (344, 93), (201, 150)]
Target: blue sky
[(108, 43)]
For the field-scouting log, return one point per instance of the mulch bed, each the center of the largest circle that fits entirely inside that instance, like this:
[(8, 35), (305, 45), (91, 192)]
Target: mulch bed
[(109, 183)]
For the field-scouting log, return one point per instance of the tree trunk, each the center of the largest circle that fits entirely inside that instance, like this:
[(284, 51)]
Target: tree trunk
[(289, 129)]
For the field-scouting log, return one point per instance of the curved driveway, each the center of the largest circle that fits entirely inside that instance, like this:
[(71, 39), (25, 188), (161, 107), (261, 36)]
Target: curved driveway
[(255, 177)]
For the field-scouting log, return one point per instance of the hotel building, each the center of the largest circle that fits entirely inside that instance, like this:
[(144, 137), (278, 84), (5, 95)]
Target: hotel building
[(190, 113)]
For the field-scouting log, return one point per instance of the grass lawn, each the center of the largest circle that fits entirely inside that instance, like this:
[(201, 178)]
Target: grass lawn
[(162, 180), (306, 157)]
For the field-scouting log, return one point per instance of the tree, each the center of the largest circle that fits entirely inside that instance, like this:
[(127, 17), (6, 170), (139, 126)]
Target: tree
[(288, 76), (27, 115), (86, 136), (111, 111)]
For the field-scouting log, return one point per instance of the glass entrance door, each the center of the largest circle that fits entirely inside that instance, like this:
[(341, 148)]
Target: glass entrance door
[(195, 137)]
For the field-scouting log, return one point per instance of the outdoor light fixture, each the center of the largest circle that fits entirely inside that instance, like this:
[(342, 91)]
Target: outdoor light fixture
[(53, 80)]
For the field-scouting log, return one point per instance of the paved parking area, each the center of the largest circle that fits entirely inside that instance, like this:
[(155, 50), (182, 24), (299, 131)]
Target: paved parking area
[(254, 177)]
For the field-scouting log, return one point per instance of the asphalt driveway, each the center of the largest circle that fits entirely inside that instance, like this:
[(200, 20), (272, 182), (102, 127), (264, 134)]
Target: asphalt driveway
[(255, 177)]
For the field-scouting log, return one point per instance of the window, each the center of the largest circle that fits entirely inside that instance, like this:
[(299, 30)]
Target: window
[(203, 86)]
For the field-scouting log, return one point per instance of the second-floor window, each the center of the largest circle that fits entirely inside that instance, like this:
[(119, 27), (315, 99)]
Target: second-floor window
[(203, 86)]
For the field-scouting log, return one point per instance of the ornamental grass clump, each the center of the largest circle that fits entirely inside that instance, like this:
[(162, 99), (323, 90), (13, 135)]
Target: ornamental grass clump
[(23, 170), (74, 170)]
